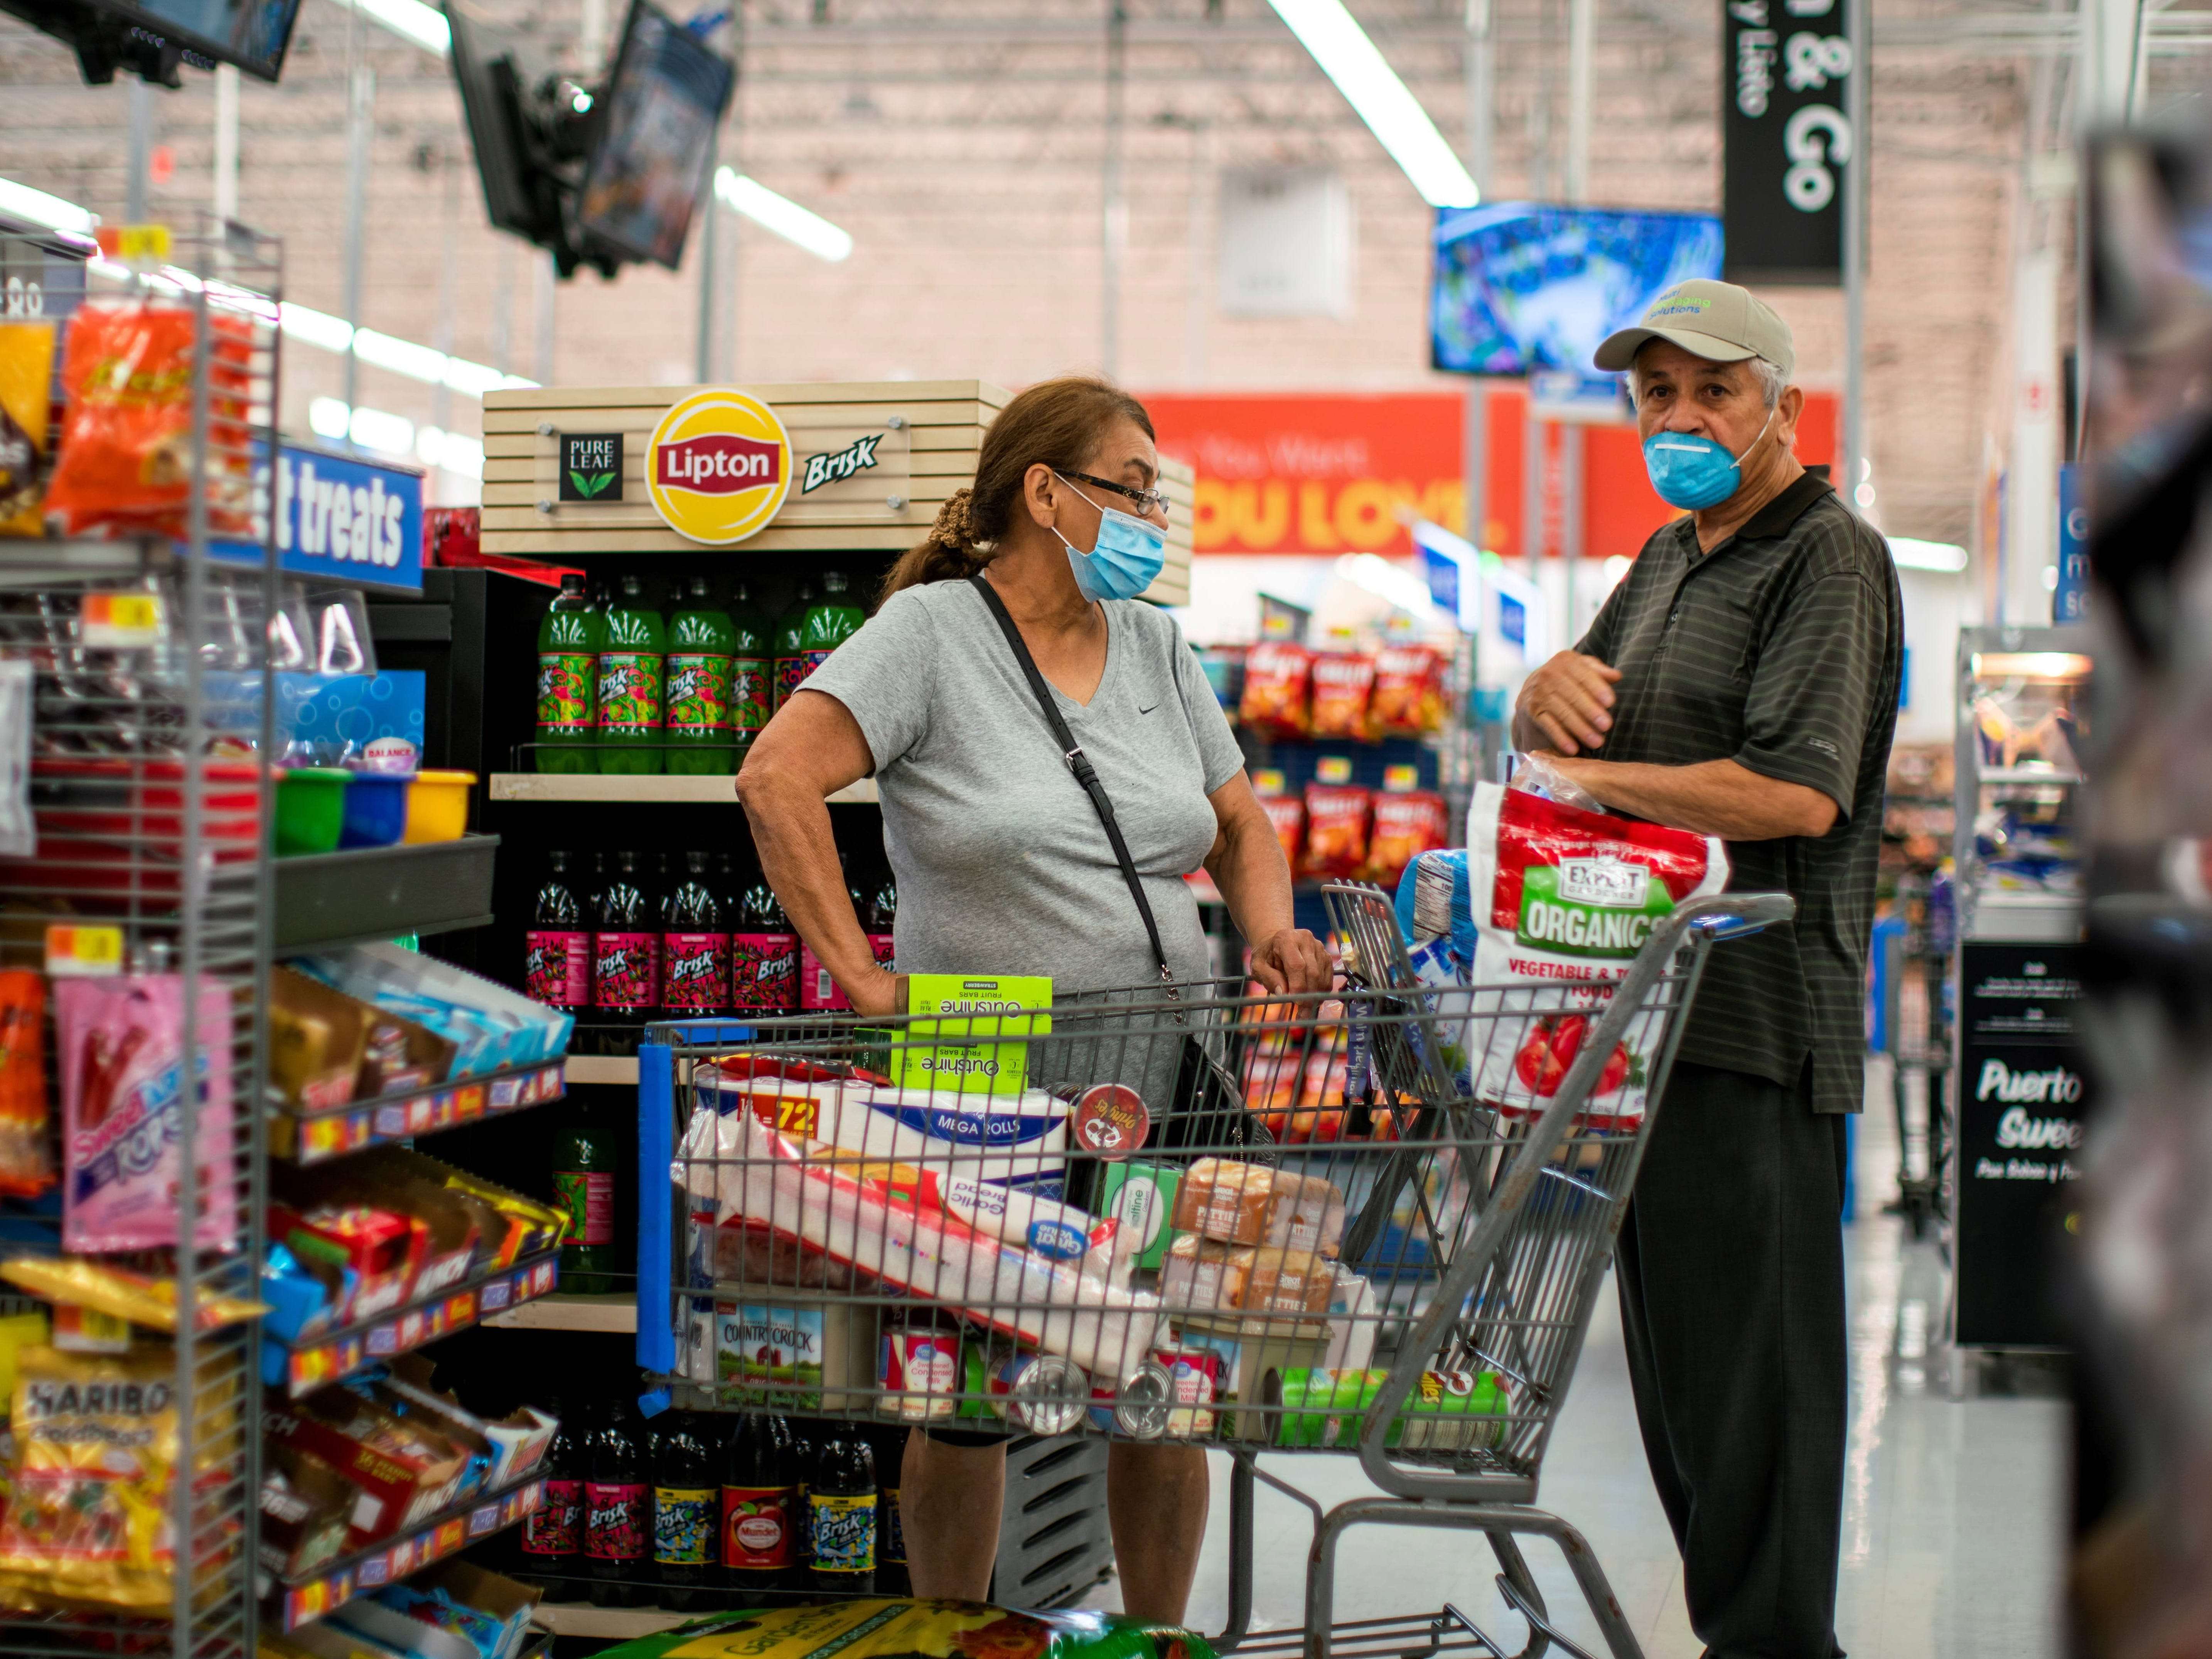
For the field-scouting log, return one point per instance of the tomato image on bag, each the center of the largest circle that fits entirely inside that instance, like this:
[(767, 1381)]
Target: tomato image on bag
[(1561, 897)]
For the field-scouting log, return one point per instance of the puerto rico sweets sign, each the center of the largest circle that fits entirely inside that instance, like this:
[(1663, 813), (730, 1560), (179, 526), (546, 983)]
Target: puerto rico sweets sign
[(718, 467)]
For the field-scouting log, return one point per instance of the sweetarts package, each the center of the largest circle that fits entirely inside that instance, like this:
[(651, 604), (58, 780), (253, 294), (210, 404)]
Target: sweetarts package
[(1552, 895)]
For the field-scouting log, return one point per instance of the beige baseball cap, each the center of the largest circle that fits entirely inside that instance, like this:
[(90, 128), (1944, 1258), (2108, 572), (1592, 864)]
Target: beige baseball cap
[(1718, 321)]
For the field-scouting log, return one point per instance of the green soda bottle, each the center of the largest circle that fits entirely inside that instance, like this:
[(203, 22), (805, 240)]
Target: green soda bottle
[(752, 669), (831, 621), (789, 645), (569, 642), (631, 666), (585, 1166), (700, 645)]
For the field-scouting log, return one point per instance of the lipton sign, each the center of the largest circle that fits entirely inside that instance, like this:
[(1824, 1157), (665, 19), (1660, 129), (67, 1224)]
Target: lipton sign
[(718, 467)]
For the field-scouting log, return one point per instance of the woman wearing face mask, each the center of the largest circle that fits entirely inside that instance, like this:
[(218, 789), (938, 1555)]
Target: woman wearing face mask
[(1002, 858)]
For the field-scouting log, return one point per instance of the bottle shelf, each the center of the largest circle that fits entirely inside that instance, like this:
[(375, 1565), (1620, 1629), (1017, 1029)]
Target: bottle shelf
[(618, 1069), (332, 1356), (317, 1138), (719, 789), (611, 1315), (292, 1603), (605, 1624), (325, 900)]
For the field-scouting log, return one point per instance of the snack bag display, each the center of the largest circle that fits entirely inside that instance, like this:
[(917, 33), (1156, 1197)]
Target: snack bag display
[(1406, 826), (1556, 896), (1278, 689), (1342, 681), (88, 1518), (27, 366), (1336, 831), (885, 1629), (124, 464), (1288, 814), (1408, 700), (121, 1045), (25, 1168)]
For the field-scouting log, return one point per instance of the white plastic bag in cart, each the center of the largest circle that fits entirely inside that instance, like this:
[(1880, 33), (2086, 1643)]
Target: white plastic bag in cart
[(1555, 903), (860, 1213)]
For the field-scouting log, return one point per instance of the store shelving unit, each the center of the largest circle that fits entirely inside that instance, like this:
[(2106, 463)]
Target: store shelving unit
[(293, 1602), (2056, 658), (316, 1137), (612, 1315), (358, 897), (332, 1356), (718, 790)]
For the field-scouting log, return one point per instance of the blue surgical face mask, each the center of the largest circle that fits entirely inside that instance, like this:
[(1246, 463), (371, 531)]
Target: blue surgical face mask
[(1128, 555), (1693, 471)]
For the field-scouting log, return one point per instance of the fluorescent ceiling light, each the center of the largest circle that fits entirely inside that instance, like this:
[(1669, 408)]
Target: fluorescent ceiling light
[(1945, 557), (328, 417), (23, 202), (781, 215), (381, 430), (417, 362), (410, 20), (1386, 580), (1372, 88), (396, 435)]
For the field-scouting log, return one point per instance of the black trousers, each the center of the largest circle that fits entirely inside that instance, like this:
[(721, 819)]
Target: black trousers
[(1730, 1265)]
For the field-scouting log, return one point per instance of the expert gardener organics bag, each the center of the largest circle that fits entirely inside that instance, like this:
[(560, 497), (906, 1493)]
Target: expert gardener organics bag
[(1556, 897)]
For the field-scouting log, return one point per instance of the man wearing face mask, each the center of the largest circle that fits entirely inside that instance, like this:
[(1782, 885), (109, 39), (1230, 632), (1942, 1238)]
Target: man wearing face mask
[(1742, 681)]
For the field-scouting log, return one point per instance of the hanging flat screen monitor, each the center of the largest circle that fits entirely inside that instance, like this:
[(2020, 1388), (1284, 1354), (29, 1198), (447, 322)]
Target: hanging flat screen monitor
[(649, 164), (1521, 286), (251, 34)]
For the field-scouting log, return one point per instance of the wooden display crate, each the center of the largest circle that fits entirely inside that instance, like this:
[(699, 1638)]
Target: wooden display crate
[(929, 431)]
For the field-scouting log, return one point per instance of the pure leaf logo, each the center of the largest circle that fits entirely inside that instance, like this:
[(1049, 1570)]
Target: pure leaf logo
[(591, 466)]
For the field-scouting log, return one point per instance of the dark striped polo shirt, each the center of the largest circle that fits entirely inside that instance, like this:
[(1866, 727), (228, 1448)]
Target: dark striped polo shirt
[(1780, 649)]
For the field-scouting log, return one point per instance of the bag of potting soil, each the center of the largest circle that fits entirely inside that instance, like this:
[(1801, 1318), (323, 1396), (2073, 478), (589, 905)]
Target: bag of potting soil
[(915, 1629), (1549, 895)]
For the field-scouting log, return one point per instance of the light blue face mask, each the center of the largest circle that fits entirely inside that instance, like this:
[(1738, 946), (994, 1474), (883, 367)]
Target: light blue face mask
[(1128, 555), (1693, 471)]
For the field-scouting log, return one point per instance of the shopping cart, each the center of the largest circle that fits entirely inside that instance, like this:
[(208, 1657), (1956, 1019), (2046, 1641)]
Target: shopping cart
[(1372, 1224)]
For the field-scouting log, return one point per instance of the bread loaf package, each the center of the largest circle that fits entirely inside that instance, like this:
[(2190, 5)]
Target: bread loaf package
[(1224, 1199), (1202, 1274), (1304, 1213), (1289, 1281)]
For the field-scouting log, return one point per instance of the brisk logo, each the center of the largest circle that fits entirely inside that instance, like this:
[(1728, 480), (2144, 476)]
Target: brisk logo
[(835, 468), (719, 464)]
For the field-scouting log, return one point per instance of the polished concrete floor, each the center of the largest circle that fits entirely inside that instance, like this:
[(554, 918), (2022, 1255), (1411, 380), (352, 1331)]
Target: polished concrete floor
[(1952, 1508)]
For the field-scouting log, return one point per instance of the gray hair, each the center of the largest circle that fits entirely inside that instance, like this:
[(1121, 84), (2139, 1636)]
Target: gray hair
[(1773, 378)]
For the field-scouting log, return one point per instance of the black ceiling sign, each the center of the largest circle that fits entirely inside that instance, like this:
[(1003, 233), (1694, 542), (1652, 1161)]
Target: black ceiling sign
[(1786, 138)]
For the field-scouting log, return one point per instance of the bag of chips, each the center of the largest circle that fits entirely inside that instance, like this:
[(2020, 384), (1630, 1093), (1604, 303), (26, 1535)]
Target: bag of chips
[(1336, 830), (26, 368), (1406, 826), (1342, 681), (1288, 814), (1278, 697), (1408, 700), (25, 1168), (885, 1629)]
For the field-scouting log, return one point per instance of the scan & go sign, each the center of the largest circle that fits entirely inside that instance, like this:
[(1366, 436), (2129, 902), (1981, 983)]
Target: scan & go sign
[(718, 467)]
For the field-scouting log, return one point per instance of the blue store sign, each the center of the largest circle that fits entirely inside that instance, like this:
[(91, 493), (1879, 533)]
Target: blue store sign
[(2069, 598), (339, 518)]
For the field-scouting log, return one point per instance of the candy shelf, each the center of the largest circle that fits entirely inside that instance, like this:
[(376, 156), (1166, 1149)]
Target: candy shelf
[(335, 1355), (611, 1315), (328, 899), (292, 1603), (718, 789), (318, 1136)]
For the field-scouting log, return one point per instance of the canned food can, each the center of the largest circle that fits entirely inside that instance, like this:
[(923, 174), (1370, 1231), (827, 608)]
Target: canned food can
[(919, 1369), (1194, 1384), (1140, 1407), (1040, 1392)]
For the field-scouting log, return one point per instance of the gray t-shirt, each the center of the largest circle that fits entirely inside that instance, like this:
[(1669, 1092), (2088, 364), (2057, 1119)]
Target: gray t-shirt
[(1001, 862)]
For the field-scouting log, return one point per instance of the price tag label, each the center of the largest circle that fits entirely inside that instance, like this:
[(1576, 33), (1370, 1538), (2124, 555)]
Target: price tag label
[(83, 951), (134, 245), (1267, 781), (1332, 769), (120, 622), (1400, 780)]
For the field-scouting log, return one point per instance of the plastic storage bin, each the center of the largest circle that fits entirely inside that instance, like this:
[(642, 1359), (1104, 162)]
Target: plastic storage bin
[(375, 809), (311, 802), (438, 806)]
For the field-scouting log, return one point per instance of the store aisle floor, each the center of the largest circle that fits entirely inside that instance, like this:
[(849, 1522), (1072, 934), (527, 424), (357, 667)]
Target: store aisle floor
[(1953, 1509)]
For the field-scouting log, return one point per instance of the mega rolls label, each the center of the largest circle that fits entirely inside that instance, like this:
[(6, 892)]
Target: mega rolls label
[(718, 467)]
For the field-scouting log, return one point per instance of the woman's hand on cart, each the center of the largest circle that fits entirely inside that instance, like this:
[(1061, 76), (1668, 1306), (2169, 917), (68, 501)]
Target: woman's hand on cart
[(1292, 960), (879, 993)]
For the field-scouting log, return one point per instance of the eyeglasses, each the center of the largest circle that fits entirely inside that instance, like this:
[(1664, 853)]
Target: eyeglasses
[(1147, 500)]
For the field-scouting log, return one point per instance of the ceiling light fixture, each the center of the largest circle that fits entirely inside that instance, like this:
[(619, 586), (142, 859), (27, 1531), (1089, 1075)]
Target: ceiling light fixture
[(410, 20), (417, 362), (1373, 89), (21, 202), (779, 213), (1947, 558)]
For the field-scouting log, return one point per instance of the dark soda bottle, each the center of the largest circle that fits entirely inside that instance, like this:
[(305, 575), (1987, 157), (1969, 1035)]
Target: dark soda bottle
[(558, 949), (686, 1501), (840, 1500), (553, 1532), (625, 948), (760, 1504), (889, 1448), (789, 644), (806, 1441), (764, 955), (818, 991), (617, 1506), (881, 919), (584, 1168), (695, 945)]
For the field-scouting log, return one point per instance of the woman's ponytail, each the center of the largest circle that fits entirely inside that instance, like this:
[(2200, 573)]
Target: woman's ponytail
[(1055, 422)]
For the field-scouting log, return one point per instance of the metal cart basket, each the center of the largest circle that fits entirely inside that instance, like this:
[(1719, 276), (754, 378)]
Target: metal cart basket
[(1373, 1223)]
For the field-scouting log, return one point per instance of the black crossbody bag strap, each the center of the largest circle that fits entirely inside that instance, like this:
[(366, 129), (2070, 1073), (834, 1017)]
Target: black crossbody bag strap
[(1085, 774)]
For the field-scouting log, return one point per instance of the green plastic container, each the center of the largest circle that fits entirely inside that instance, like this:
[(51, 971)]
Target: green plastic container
[(310, 809)]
